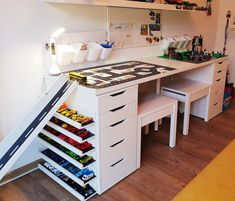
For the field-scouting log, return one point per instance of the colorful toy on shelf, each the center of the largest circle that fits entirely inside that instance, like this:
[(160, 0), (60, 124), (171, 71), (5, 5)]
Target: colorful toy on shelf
[(85, 191), (84, 147), (73, 114), (84, 160), (82, 133)]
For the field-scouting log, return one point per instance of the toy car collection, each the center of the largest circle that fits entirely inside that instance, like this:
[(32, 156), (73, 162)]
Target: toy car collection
[(84, 147), (85, 174), (73, 114), (84, 160), (82, 133), (85, 191)]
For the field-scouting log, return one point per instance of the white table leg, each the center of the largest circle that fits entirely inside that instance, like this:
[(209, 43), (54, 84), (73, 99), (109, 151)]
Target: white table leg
[(138, 144), (146, 130), (172, 138), (186, 117), (156, 123)]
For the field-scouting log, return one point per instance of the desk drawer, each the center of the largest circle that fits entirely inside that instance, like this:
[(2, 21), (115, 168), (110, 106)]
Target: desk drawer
[(217, 96), (218, 84), (114, 134), (121, 168), (113, 117), (221, 65), (118, 98), (215, 109), (219, 74)]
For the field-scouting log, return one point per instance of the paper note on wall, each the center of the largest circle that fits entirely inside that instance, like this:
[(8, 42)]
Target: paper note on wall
[(121, 34)]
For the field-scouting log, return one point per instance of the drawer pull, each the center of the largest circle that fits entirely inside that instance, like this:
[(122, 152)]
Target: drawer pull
[(117, 143), (218, 80), (117, 162), (118, 108), (117, 123), (215, 104), (117, 94), (217, 92), (219, 71), (221, 62)]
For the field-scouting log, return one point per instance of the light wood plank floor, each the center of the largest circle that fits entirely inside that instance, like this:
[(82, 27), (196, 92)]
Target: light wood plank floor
[(164, 171)]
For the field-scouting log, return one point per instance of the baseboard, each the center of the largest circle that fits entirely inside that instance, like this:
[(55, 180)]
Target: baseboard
[(20, 172)]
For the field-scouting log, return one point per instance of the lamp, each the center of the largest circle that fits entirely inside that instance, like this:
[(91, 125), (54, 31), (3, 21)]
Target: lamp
[(54, 68)]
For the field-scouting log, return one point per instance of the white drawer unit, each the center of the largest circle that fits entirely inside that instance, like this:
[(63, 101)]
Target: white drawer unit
[(117, 136), (217, 89)]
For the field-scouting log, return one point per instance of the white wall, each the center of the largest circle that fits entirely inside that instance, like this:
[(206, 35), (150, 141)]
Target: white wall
[(25, 27), (226, 5)]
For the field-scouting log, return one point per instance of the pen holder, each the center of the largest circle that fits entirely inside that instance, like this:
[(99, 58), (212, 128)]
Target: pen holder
[(94, 50), (106, 50), (79, 55)]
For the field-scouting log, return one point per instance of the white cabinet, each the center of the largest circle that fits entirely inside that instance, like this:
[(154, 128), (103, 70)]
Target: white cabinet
[(117, 130), (217, 89)]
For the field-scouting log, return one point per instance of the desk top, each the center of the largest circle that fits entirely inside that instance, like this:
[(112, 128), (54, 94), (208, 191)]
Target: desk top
[(175, 66)]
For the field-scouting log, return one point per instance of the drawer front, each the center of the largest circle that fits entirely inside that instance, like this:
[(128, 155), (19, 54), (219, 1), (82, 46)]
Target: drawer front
[(118, 150), (115, 116), (121, 168), (221, 65), (215, 109), (218, 84), (116, 99), (219, 74), (115, 134), (217, 96)]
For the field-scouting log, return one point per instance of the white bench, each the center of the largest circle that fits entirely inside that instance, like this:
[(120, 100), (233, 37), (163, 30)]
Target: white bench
[(151, 108), (187, 91)]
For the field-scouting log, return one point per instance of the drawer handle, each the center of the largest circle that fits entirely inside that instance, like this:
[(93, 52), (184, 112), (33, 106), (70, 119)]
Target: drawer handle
[(218, 80), (215, 104), (221, 62), (117, 123), (219, 71), (217, 92), (117, 94), (117, 162), (117, 143), (118, 108)]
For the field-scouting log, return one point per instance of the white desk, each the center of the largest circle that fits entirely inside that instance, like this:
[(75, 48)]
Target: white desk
[(114, 110)]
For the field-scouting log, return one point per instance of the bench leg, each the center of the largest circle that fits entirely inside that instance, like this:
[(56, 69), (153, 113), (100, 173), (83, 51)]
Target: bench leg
[(156, 123), (173, 127), (146, 130), (186, 117), (138, 144)]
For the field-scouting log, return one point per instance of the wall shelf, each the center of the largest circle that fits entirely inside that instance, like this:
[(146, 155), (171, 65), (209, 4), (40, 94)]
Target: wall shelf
[(120, 4)]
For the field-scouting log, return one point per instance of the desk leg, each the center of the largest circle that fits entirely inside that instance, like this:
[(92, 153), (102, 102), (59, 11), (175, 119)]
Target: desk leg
[(186, 116), (138, 144)]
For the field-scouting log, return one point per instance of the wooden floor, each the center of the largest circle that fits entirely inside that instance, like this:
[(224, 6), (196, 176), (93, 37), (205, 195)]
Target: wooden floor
[(164, 171)]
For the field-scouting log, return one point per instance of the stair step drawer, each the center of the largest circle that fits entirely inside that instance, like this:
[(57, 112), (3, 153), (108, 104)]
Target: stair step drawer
[(112, 135), (116, 99), (113, 117)]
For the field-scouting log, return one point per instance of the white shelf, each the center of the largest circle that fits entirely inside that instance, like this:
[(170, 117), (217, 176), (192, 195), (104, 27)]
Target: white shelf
[(70, 121), (62, 154), (69, 134), (66, 172), (63, 184), (65, 144), (118, 3)]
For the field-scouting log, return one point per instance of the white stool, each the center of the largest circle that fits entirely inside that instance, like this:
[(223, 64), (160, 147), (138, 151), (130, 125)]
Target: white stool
[(151, 108), (187, 91)]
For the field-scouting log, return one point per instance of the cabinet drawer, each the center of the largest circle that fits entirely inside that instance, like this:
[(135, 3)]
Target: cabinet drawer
[(219, 74), (122, 148), (114, 134), (113, 173), (221, 65), (115, 116), (218, 84), (217, 96), (117, 99), (215, 109)]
